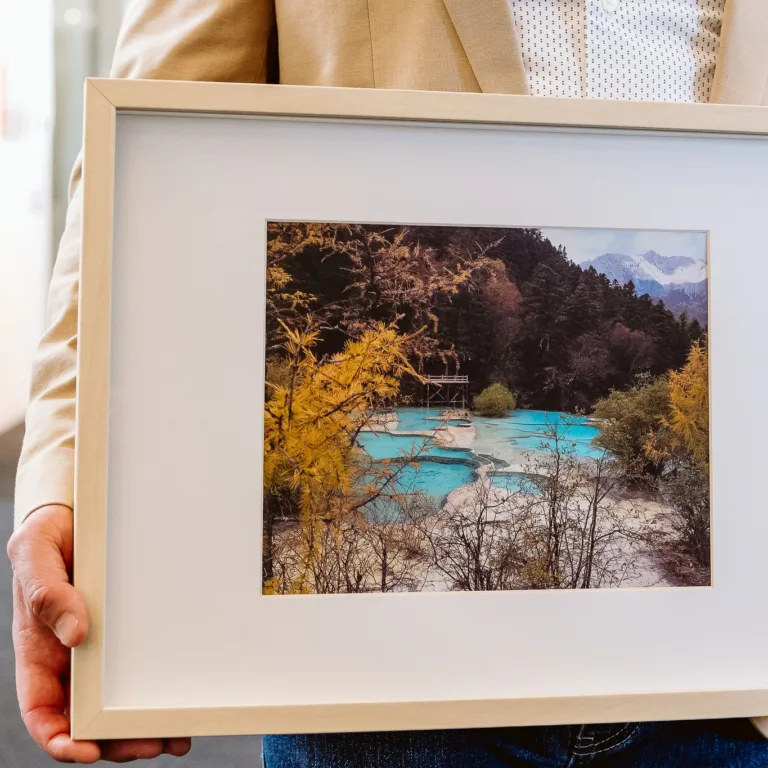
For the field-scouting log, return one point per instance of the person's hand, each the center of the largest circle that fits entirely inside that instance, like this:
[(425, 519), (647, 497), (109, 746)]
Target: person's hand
[(49, 618)]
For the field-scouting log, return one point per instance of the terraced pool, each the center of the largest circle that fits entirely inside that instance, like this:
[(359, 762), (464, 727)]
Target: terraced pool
[(513, 442)]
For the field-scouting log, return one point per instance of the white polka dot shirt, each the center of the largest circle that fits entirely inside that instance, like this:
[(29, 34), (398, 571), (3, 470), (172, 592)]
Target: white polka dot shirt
[(651, 50)]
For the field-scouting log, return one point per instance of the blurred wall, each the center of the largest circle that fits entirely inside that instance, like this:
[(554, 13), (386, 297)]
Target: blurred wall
[(85, 36), (26, 129), (47, 49)]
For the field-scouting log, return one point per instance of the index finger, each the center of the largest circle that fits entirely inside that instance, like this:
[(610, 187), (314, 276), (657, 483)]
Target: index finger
[(43, 706)]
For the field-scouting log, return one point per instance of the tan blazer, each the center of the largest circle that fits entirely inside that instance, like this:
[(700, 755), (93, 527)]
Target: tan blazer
[(447, 45)]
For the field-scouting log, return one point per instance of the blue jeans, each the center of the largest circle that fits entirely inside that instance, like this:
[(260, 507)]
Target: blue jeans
[(698, 744)]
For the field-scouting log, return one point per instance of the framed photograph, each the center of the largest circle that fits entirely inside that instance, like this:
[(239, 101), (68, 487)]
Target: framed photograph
[(406, 410)]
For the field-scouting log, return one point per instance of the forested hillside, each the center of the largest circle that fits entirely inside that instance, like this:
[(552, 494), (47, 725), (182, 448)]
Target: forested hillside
[(500, 305)]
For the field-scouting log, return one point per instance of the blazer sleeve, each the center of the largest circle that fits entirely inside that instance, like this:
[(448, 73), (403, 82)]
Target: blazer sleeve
[(210, 40)]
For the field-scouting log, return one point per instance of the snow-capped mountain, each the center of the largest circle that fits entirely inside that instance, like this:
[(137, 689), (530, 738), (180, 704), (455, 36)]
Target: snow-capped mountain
[(653, 273)]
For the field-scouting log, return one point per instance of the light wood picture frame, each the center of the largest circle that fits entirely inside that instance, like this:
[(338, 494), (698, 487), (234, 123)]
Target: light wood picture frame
[(93, 714)]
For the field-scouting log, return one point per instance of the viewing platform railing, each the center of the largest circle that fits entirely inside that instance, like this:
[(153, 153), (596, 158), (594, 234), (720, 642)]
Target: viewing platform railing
[(447, 379)]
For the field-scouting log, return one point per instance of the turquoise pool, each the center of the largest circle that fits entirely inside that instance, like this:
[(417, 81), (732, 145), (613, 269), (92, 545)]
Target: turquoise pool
[(512, 482), (523, 432), (423, 420), (385, 445), (436, 480), (430, 477), (511, 441)]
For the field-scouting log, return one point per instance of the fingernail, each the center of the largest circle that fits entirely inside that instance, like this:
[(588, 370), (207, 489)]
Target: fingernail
[(66, 627)]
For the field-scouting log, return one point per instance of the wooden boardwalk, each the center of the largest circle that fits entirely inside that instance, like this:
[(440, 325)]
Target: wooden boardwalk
[(447, 379), (447, 391)]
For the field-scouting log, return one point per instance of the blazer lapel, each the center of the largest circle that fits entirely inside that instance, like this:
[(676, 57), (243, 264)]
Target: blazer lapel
[(741, 76), (490, 39)]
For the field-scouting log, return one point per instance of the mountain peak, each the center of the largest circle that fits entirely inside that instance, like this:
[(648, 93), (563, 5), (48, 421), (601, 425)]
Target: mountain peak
[(651, 272), (668, 264)]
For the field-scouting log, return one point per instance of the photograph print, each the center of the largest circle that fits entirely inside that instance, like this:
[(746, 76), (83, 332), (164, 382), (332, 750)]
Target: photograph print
[(467, 408)]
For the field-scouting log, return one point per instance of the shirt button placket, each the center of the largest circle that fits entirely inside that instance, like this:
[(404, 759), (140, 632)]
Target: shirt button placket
[(609, 6)]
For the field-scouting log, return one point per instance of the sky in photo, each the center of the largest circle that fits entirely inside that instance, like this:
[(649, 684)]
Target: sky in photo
[(585, 244)]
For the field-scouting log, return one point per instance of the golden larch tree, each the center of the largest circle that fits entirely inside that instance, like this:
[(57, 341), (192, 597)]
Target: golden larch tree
[(689, 404), (313, 417)]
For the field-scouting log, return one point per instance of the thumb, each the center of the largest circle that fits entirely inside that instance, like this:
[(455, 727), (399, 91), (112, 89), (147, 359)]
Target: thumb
[(58, 605), (40, 551)]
